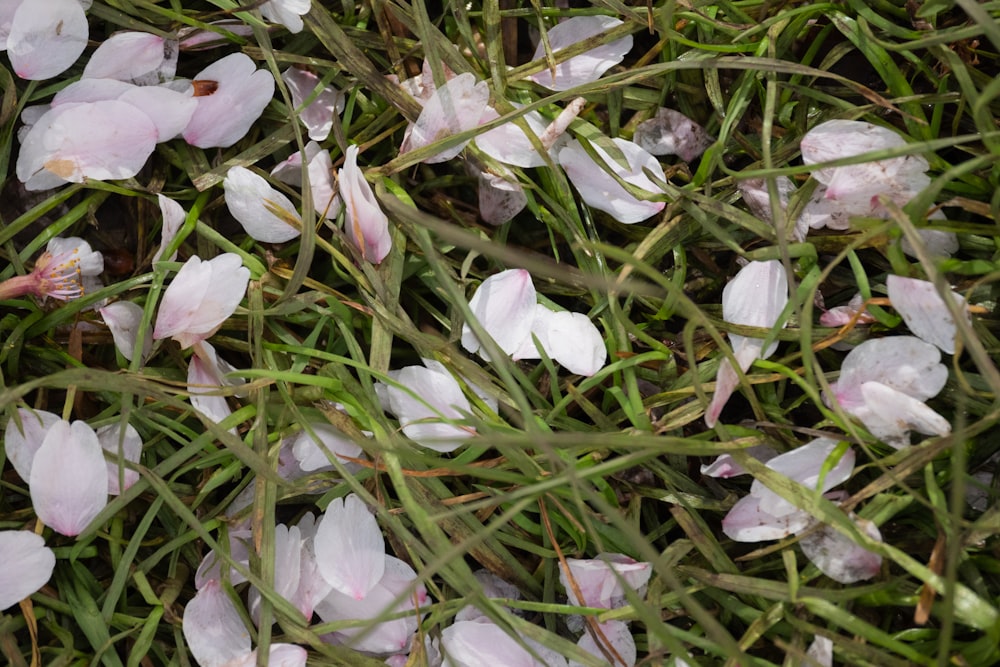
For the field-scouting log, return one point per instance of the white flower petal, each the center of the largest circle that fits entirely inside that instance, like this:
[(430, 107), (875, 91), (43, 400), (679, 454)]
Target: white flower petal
[(747, 522), (130, 448), (838, 557), (890, 415), (200, 298), (904, 363), (123, 319), (21, 446), (173, 219), (367, 227), (570, 339), (231, 95), (616, 639), (350, 550), (924, 311), (318, 116), (504, 305), (314, 454), (588, 66), (212, 627), (252, 200), (454, 107), (46, 37), (600, 190), (27, 565), (136, 57)]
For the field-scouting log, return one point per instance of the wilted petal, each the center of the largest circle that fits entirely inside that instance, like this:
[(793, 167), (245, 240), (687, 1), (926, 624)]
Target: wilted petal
[(27, 565), (210, 567), (568, 338), (366, 225), (46, 37), (844, 315), (253, 202), (588, 66), (747, 522), (212, 627), (599, 189), (200, 298), (20, 445), (136, 57), (757, 195), (821, 650), (936, 242), (672, 133), (804, 465), (616, 640), (128, 447), (231, 94), (924, 311), (904, 363), (319, 114), (838, 557), (123, 319), (601, 581), (173, 219), (104, 140), (349, 547), (493, 587), (454, 107), (725, 466), (504, 305), (69, 478)]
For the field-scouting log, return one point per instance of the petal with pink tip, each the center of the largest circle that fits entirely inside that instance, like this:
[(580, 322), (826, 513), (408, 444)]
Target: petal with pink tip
[(600, 190), (455, 107), (925, 312), (21, 444), (123, 319), (27, 565), (890, 415), (200, 298), (69, 478), (136, 57), (747, 522), (904, 363), (805, 465), (105, 140), (253, 202), (318, 115), (213, 629), (349, 547), (231, 95), (367, 227), (46, 37), (504, 305), (590, 65), (838, 557), (128, 446)]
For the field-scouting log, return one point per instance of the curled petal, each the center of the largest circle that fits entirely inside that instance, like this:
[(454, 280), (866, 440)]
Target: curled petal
[(747, 522), (173, 219), (123, 319), (27, 565), (318, 115), (127, 446), (890, 415), (263, 211), (286, 12), (366, 225)]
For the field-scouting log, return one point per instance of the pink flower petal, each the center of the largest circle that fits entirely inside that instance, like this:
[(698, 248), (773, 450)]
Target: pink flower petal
[(319, 114), (500, 197), (427, 395), (213, 629), (27, 565), (46, 37), (504, 305), (123, 319), (350, 550), (106, 140), (600, 190), (136, 57), (482, 643), (205, 374), (231, 94), (509, 144), (21, 446), (904, 363), (367, 227), (252, 201), (173, 219), (747, 522), (69, 478), (454, 107), (286, 12), (602, 580), (170, 111), (588, 66), (890, 415), (924, 311), (804, 465), (614, 639), (838, 557), (200, 298), (568, 338), (130, 444), (672, 133), (330, 441)]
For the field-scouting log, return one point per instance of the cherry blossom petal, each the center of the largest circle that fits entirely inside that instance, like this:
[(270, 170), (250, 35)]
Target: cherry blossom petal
[(21, 444), (672, 133), (27, 565), (568, 338), (501, 197), (890, 415), (350, 550), (131, 450), (475, 643), (725, 466), (323, 189), (211, 565), (588, 66), (7, 10), (367, 227), (504, 305), (46, 37), (104, 140), (173, 219), (757, 196), (509, 144), (91, 90), (843, 315), (426, 396), (318, 115), (602, 580), (286, 12), (200, 298), (492, 587), (205, 375), (69, 478), (821, 650), (904, 363), (213, 629), (231, 97), (747, 522), (924, 311), (838, 557), (599, 189), (123, 319), (804, 465), (200, 39), (136, 57), (454, 107), (615, 639), (252, 201), (288, 546), (170, 111), (314, 454)]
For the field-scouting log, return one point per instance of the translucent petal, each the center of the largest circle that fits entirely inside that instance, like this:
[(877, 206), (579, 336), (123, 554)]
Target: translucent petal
[(904, 363), (747, 522), (27, 565), (170, 111), (924, 311), (319, 114), (313, 455), (173, 219), (46, 37), (212, 627), (123, 319), (252, 200), (367, 227), (504, 305), (836, 139), (672, 133), (601, 580), (349, 547), (588, 66), (599, 189), (838, 557), (455, 107), (616, 640), (129, 446), (20, 445), (804, 465), (475, 644), (136, 57), (69, 478), (500, 197), (509, 144)]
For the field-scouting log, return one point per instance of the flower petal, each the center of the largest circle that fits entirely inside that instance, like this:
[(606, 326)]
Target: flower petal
[(20, 445), (128, 446), (136, 57), (672, 133), (27, 565), (349, 547), (612, 637), (838, 557), (454, 107), (123, 319), (253, 202), (173, 219), (890, 415), (600, 190), (904, 363), (366, 225), (588, 66), (237, 93), (924, 311), (319, 114), (46, 37), (200, 298), (570, 339), (504, 305), (212, 627)]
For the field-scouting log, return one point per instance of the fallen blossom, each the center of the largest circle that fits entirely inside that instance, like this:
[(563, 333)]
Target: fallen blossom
[(231, 95), (925, 312), (218, 33), (455, 107), (478, 643), (757, 195), (884, 383), (69, 478), (350, 548), (571, 339), (200, 298), (124, 444), (609, 638), (319, 114), (123, 319), (315, 451), (586, 67), (286, 12), (46, 37), (492, 587), (754, 298), (319, 165), (853, 311), (66, 270), (509, 144), (366, 225), (206, 375), (601, 581), (672, 133), (21, 442), (501, 197), (600, 190), (725, 466), (265, 214), (821, 651), (136, 57), (27, 565), (173, 219)]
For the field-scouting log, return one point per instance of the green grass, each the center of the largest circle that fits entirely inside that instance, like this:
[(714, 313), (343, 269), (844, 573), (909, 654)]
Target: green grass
[(569, 466)]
